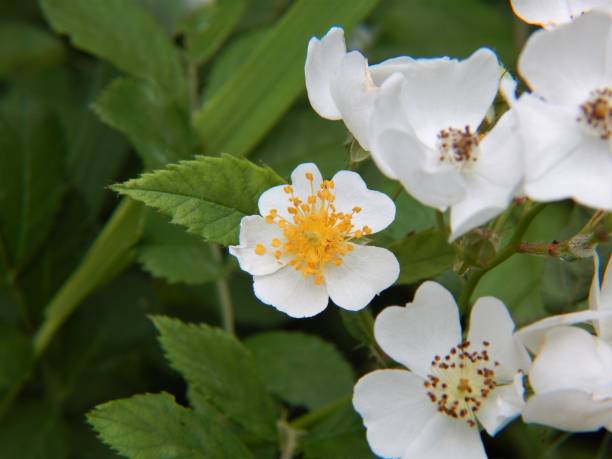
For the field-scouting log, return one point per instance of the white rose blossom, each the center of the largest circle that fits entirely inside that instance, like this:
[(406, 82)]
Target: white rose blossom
[(304, 248), (566, 124), (552, 13), (571, 375), (425, 130), (432, 411)]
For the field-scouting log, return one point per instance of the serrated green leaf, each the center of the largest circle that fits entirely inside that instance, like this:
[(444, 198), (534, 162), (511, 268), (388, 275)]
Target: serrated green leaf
[(154, 426), (31, 176), (208, 26), (207, 195), (25, 47), (221, 369), (250, 103), (301, 369), (422, 255), (158, 128), (121, 32)]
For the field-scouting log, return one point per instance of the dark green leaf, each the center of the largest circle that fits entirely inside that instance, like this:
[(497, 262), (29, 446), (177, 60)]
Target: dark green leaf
[(423, 255), (303, 370), (207, 195), (153, 426), (15, 357), (222, 370)]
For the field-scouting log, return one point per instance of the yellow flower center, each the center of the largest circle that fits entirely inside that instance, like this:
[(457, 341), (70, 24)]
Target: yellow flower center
[(595, 115), (317, 234), (460, 381), (458, 147)]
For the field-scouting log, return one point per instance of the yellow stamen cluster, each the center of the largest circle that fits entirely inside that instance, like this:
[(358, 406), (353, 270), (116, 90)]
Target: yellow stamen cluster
[(316, 234), (460, 381)]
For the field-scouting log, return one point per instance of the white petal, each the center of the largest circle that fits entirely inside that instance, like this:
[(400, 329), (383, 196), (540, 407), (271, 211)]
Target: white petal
[(565, 64), (447, 93), (550, 13), (600, 299), (382, 71), (414, 334), (364, 273), (322, 66), (354, 93), (533, 336), (583, 175), (570, 410), (572, 358), (410, 160), (394, 409), (507, 88), (490, 321), (377, 209), (301, 185), (291, 292), (502, 405), (254, 230), (446, 438)]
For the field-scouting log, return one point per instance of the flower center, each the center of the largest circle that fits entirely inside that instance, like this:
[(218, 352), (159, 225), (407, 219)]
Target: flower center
[(458, 147), (595, 116), (317, 233), (461, 380)]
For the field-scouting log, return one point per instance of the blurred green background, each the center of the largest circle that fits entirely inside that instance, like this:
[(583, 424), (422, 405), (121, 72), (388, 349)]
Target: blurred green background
[(69, 128)]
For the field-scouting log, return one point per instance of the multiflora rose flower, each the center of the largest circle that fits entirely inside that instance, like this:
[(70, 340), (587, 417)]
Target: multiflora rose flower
[(552, 13), (425, 130), (308, 243), (566, 124), (433, 410)]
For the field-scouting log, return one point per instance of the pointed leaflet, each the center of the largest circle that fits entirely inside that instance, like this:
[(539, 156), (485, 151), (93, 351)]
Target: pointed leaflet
[(154, 426), (207, 195), (121, 32), (221, 369)]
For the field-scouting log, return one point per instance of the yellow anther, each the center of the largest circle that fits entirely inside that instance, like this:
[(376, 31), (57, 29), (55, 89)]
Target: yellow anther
[(270, 219), (338, 261), (309, 176), (367, 230), (278, 254), (312, 199), (260, 249), (276, 242), (305, 207), (292, 210), (318, 279), (288, 189), (358, 233), (356, 209)]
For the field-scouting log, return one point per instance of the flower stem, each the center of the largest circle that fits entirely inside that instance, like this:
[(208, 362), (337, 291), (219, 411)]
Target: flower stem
[(312, 418), (397, 192), (224, 295), (441, 222), (510, 249)]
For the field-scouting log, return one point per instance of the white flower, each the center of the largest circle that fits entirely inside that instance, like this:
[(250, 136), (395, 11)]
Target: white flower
[(424, 129), (301, 251), (341, 85), (551, 13), (567, 124), (432, 411)]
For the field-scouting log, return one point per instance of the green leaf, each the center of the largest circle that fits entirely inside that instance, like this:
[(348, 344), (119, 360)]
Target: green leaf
[(34, 431), (15, 357), (222, 370), (207, 195), (31, 176), (209, 26), (303, 370), (170, 253), (154, 426), (158, 128), (253, 99), (122, 32), (423, 255), (26, 47)]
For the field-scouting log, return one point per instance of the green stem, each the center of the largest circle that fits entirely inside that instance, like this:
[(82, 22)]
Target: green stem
[(555, 445), (509, 250), (224, 295), (105, 257), (397, 192), (441, 222), (312, 418), (603, 449)]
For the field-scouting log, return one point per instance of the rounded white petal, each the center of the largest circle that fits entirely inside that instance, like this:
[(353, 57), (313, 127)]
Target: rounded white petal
[(445, 438), (382, 71), (502, 405), (565, 64), (354, 93), (490, 321), (377, 209), (364, 273), (572, 358), (414, 334), (571, 410), (301, 185), (254, 230), (583, 175), (550, 13), (446, 93), (600, 299), (435, 185), (394, 408), (291, 292), (322, 66)]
